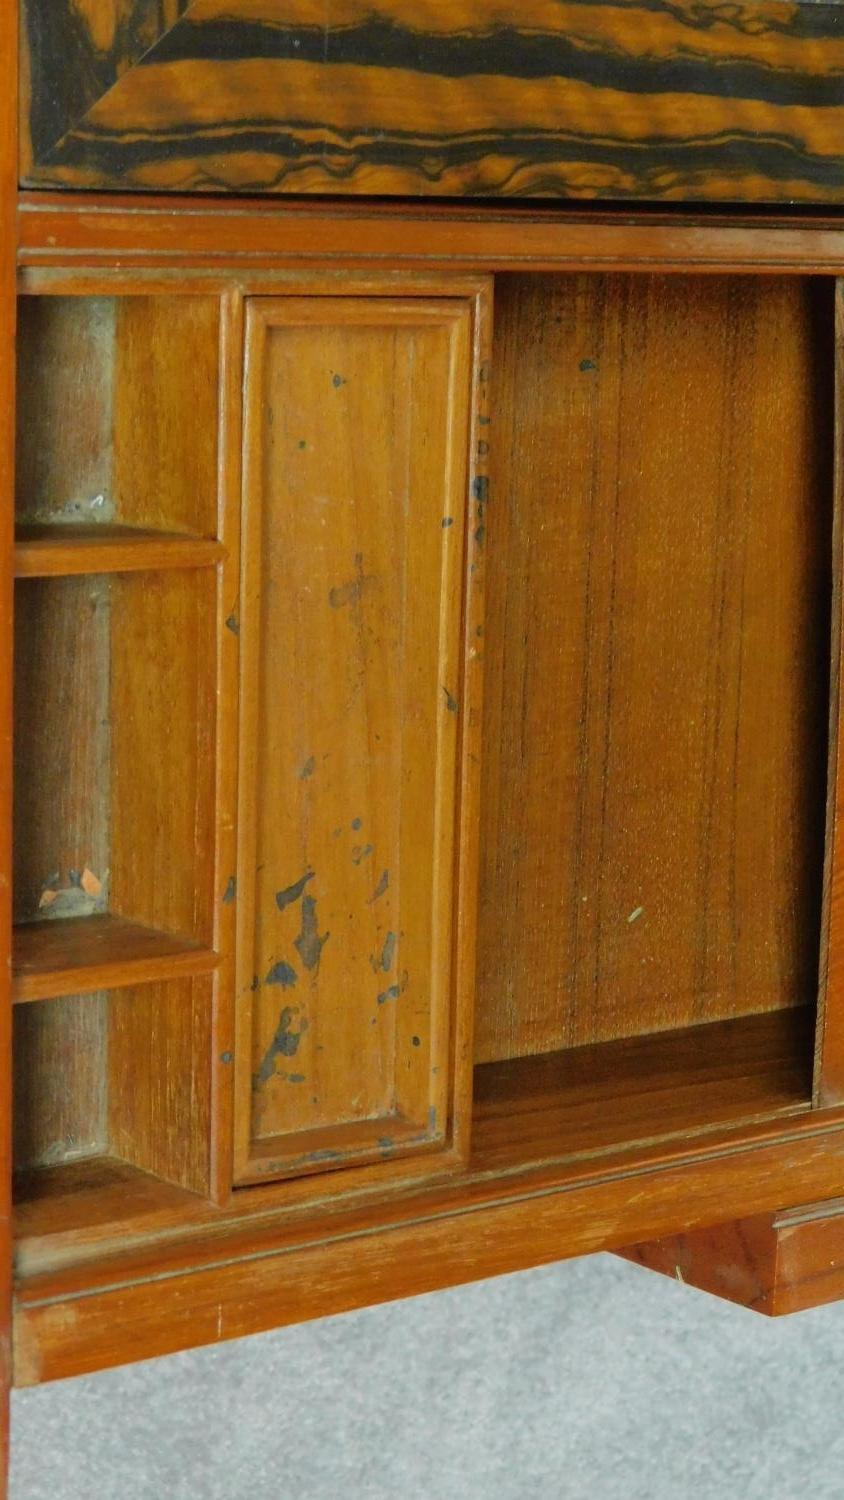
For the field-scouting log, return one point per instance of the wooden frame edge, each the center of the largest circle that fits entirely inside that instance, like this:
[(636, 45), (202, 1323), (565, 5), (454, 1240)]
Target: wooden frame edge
[(8, 253)]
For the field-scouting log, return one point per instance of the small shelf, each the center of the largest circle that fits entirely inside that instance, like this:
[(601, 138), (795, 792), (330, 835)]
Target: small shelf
[(62, 551), (76, 955), (597, 1099), (64, 1210)]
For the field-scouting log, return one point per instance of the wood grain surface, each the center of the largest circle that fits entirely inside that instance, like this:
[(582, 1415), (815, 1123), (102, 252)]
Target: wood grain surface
[(104, 436), (62, 747), (773, 1263), (829, 1064), (59, 233), (692, 414), (589, 1101), (65, 550), (657, 656), (355, 539), (643, 100), (8, 319), (97, 953), (157, 1297)]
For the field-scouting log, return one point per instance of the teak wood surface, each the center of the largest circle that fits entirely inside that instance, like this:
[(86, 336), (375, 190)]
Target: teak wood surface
[(651, 493), (593, 99), (356, 514), (8, 237), (773, 1263)]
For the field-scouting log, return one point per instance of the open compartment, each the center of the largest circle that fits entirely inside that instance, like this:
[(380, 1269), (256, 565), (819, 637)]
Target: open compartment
[(111, 1110), (113, 952), (114, 779), (659, 556), (117, 431), (115, 760)]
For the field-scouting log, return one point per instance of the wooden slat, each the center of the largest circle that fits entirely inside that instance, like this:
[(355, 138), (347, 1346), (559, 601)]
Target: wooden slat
[(829, 1064), (109, 230), (476, 98), (77, 955), (59, 551), (229, 476), (8, 241)]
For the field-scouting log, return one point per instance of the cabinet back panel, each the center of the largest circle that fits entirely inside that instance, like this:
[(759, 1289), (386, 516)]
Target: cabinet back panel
[(60, 1049), (62, 746), (657, 656), (64, 414), (163, 655)]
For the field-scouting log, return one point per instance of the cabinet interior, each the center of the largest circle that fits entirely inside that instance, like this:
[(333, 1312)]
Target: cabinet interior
[(658, 552), (657, 703)]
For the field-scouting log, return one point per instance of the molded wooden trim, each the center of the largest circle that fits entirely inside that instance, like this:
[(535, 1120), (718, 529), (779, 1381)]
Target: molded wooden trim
[(145, 231), (156, 1299)]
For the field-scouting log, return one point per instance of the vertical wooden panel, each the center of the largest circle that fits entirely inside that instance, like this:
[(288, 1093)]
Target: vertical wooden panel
[(159, 1041), (657, 656), (229, 453), (8, 256), (163, 776), (166, 378), (163, 665), (356, 509), (829, 1064)]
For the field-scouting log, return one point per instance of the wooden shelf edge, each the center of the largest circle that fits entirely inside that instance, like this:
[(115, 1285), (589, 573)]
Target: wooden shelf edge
[(51, 959), (66, 551), (230, 1280)]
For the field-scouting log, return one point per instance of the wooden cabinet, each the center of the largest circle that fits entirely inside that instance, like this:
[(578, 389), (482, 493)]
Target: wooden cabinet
[(422, 703), (424, 763)]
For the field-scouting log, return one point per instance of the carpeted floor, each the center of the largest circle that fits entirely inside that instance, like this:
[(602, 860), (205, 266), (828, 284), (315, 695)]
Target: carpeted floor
[(592, 1380)]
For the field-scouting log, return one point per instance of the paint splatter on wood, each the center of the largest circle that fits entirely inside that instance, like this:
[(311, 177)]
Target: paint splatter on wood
[(292, 892), (309, 944)]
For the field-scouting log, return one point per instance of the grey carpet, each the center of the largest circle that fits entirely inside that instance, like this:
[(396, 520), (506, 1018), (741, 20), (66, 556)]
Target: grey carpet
[(592, 1380)]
